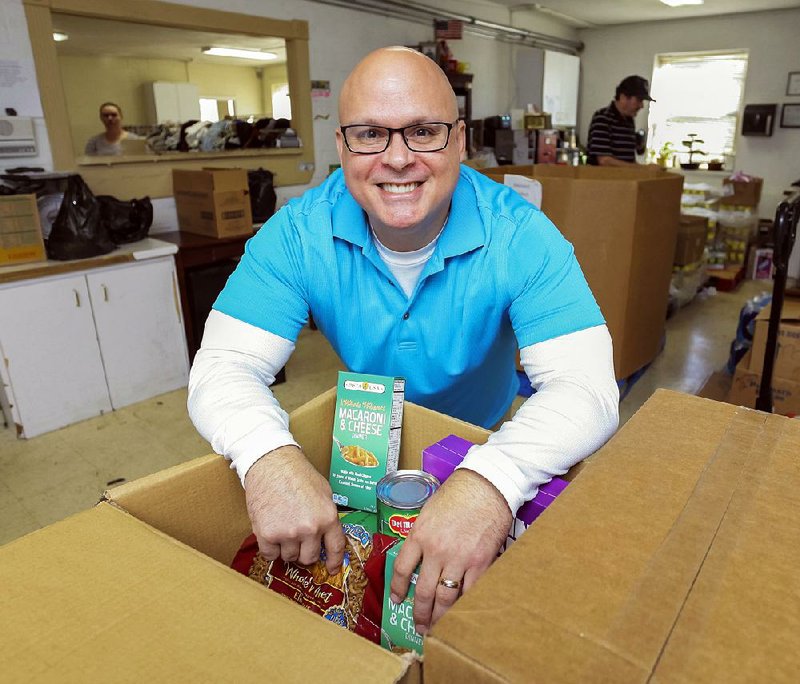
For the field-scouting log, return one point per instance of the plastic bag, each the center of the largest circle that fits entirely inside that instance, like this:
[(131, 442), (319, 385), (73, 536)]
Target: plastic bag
[(126, 221), (745, 329), (262, 194), (78, 231)]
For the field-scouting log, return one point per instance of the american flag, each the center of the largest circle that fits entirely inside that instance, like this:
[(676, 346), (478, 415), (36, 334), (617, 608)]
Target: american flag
[(447, 29)]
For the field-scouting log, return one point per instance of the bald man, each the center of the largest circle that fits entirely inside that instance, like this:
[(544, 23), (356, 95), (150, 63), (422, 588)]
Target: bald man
[(412, 265)]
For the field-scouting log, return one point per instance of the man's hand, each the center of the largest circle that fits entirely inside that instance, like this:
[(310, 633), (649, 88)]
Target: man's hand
[(457, 536), (292, 511)]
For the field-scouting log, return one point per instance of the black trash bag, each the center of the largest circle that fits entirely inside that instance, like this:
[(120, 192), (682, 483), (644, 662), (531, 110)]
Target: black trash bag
[(78, 231), (262, 194), (126, 221)]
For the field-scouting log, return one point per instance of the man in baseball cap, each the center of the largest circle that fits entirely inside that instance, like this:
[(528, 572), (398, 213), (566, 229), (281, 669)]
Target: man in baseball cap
[(612, 133)]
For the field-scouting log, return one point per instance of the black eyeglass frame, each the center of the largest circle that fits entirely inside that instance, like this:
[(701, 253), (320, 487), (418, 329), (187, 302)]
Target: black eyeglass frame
[(401, 131)]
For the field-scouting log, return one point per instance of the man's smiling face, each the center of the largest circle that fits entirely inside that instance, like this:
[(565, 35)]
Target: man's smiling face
[(405, 194)]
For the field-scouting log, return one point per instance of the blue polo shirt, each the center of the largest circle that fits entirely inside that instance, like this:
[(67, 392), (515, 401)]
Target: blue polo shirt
[(501, 276)]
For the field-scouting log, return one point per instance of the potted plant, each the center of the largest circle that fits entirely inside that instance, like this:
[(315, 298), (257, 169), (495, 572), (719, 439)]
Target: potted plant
[(689, 144), (664, 155), (715, 165)]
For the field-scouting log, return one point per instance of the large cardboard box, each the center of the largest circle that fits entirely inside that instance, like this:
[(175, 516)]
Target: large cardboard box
[(139, 587), (20, 231), (623, 223), (671, 557), (214, 202), (787, 358), (691, 241)]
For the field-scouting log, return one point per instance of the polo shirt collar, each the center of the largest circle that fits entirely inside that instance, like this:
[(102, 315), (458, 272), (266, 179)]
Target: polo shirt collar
[(463, 233)]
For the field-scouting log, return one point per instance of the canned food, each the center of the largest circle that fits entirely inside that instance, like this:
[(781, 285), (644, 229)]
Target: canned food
[(401, 495)]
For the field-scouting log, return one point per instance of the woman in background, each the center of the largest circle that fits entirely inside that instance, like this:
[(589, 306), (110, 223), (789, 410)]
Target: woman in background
[(109, 143)]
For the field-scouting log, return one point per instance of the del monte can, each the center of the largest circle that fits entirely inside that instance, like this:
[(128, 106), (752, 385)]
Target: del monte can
[(401, 495)]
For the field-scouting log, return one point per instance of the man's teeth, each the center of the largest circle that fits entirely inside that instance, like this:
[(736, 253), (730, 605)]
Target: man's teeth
[(399, 188)]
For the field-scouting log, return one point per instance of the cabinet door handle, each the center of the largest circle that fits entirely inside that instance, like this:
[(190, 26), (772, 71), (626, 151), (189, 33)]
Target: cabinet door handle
[(77, 298), (105, 292)]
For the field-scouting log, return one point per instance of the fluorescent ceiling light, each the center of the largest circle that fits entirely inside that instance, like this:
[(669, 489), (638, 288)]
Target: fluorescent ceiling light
[(60, 37), (243, 54), (679, 3)]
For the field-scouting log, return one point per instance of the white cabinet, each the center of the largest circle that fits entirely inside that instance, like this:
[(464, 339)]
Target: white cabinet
[(178, 102), (78, 345)]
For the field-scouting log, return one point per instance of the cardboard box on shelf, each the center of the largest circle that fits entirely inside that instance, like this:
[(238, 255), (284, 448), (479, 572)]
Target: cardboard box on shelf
[(623, 223), (711, 500), (20, 230), (691, 242), (787, 358), (741, 193), (214, 202)]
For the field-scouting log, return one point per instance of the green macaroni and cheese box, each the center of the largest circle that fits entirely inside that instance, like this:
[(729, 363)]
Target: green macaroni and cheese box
[(397, 625), (366, 436)]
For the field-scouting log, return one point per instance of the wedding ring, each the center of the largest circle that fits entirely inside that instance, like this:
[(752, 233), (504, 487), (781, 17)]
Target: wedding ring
[(450, 584)]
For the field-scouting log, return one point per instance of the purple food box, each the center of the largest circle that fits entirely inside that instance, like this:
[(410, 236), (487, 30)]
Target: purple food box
[(442, 458)]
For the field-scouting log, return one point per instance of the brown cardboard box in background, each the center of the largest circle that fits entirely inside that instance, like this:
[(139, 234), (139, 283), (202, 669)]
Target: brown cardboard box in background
[(746, 385), (686, 575), (213, 202), (787, 359), (623, 224), (742, 193), (691, 242), (20, 230)]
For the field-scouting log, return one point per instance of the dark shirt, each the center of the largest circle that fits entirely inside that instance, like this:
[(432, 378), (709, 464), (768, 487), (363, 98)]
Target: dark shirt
[(611, 134)]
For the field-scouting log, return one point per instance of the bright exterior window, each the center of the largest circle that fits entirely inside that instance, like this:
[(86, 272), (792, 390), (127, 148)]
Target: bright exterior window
[(698, 93), (281, 103), (216, 108)]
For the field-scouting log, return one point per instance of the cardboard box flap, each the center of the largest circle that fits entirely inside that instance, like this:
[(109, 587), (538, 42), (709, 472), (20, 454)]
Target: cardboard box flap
[(634, 570), (176, 502), (102, 595)]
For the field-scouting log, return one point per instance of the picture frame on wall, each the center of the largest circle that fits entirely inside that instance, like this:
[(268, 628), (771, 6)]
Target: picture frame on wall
[(793, 83), (790, 116)]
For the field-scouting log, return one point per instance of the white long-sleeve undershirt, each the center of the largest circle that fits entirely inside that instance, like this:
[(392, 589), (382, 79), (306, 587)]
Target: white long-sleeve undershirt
[(572, 413)]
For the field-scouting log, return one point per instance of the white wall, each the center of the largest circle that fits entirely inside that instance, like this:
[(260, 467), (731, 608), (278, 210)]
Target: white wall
[(18, 88), (772, 41), (339, 38)]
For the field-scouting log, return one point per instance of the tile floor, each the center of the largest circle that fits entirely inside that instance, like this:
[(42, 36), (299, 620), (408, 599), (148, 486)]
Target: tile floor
[(52, 476)]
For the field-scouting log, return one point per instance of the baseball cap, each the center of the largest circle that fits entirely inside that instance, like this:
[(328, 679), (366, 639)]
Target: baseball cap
[(635, 86)]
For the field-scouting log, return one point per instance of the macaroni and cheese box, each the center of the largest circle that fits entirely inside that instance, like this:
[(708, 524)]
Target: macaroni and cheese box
[(366, 436), (398, 632)]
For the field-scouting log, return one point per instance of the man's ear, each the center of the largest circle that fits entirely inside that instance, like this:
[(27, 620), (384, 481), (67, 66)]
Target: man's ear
[(461, 135)]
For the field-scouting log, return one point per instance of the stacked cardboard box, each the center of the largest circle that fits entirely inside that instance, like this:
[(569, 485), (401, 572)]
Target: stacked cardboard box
[(213, 202), (688, 573), (786, 371), (741, 193), (623, 224), (691, 241), (20, 231)]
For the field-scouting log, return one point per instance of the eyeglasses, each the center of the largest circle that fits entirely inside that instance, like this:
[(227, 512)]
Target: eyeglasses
[(431, 136)]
